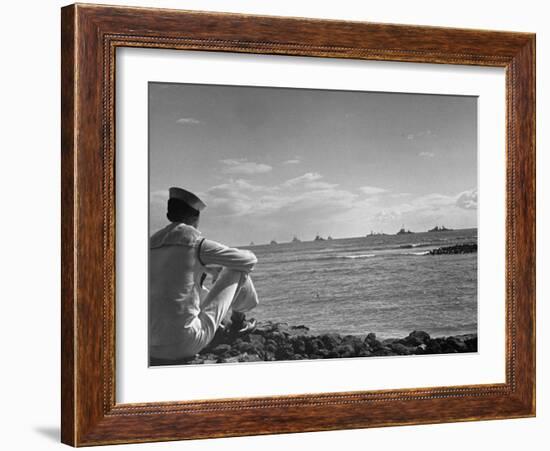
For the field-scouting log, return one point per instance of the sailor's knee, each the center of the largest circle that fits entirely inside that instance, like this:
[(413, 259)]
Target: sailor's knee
[(253, 302), (227, 273)]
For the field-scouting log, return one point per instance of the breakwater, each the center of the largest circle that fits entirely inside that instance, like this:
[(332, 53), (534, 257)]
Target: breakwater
[(279, 341)]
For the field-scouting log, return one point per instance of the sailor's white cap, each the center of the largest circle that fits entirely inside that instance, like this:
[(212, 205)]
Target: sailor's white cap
[(188, 197)]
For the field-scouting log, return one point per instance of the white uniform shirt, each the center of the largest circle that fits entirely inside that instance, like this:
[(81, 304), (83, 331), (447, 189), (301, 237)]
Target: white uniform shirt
[(179, 256)]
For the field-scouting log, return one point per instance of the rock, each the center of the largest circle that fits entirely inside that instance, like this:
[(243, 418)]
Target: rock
[(299, 330), (433, 347), (298, 357), (313, 346), (372, 342), (370, 338), (416, 338), (471, 344), (255, 339), (355, 342), (250, 358), (285, 352), (278, 336), (400, 349), (421, 349), (382, 351), (264, 328), (331, 341), (456, 344), (278, 341), (282, 328), (345, 350), (300, 327), (465, 248), (221, 349), (248, 348), (299, 345), (323, 353)]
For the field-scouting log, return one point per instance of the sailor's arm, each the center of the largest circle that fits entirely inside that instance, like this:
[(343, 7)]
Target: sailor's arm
[(214, 253)]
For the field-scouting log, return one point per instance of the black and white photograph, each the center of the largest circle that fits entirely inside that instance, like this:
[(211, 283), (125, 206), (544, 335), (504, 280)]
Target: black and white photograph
[(300, 224), (290, 225)]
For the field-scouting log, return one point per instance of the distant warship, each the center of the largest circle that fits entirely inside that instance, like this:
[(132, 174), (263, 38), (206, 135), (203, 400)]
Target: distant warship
[(440, 229), (402, 231), (376, 234)]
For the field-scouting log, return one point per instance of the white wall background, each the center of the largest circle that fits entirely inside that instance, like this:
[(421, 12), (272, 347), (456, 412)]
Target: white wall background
[(29, 324)]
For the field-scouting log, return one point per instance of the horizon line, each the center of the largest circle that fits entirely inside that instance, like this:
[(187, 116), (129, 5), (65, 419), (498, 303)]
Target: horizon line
[(329, 238)]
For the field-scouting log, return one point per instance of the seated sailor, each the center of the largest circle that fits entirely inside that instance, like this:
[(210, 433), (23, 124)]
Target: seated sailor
[(183, 314)]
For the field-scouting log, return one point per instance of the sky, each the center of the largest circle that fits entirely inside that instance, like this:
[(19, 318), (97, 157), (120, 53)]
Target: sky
[(274, 163)]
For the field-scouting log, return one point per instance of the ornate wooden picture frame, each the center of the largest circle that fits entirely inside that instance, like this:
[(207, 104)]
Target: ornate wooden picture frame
[(90, 37)]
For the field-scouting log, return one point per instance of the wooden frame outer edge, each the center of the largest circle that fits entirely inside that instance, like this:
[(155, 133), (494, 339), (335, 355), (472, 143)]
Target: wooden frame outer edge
[(68, 226), (90, 416)]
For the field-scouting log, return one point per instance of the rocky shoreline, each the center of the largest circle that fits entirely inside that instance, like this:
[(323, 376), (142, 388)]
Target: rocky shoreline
[(467, 248), (279, 341)]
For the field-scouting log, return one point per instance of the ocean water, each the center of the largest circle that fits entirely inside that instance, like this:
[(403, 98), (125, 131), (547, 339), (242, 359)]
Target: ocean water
[(382, 284)]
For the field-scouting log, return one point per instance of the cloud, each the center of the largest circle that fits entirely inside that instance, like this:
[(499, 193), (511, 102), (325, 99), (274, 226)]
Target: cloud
[(385, 216), (293, 161), (157, 209), (320, 185), (413, 136), (371, 190), (428, 203), (238, 188), (309, 181), (306, 178), (240, 209), (244, 167), (319, 205), (232, 198), (304, 194), (399, 195), (188, 121), (422, 212), (467, 200), (426, 154)]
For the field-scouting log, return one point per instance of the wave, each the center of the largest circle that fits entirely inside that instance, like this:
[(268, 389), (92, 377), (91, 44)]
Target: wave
[(413, 245), (320, 258), (353, 257), (417, 253)]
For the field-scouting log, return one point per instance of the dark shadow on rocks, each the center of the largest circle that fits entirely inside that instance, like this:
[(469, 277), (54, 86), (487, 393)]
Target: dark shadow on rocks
[(271, 341)]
